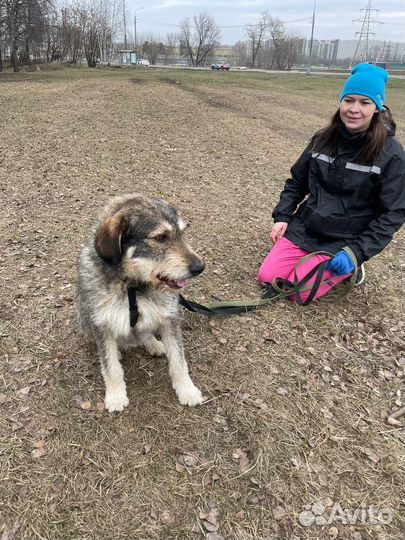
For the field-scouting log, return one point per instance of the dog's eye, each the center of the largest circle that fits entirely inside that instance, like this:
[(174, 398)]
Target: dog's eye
[(161, 238)]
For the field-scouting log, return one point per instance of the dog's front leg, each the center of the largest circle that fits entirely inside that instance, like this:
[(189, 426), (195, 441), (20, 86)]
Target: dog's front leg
[(184, 387), (113, 374)]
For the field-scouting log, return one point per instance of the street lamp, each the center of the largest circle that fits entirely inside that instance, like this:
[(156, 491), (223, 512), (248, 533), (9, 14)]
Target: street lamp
[(137, 9)]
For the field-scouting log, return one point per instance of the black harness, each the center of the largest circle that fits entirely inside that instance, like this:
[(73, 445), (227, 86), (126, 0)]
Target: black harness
[(133, 306)]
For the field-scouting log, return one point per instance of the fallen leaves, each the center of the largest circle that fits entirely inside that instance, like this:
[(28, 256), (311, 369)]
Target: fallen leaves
[(100, 406), (15, 426), (210, 477), (221, 420), (393, 417), (19, 418), (85, 405), (370, 454), (167, 517), (213, 536), (23, 392), (9, 533), (38, 452), (189, 461), (282, 391), (209, 517), (241, 456), (279, 512), (97, 408), (39, 449)]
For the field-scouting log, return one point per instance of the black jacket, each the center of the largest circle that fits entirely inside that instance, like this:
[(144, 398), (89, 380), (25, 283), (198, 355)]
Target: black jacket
[(331, 201)]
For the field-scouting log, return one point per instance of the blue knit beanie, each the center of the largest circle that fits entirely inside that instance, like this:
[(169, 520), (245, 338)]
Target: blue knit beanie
[(367, 80)]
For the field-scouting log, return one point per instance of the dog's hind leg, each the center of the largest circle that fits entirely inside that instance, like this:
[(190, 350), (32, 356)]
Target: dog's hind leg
[(184, 387), (113, 374)]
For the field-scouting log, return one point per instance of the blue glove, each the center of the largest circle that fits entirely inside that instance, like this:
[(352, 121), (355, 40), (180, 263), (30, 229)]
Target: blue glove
[(341, 264)]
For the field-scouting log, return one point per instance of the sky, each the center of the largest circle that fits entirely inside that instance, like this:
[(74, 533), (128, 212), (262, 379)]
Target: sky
[(333, 18)]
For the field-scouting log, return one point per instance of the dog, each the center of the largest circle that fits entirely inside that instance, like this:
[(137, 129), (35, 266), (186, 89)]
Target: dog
[(137, 245)]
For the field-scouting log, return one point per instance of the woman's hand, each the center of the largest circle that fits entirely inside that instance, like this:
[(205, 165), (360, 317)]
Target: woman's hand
[(278, 231), (341, 264)]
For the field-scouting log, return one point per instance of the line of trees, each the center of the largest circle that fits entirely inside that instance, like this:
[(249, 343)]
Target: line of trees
[(31, 29), (70, 30), (271, 45)]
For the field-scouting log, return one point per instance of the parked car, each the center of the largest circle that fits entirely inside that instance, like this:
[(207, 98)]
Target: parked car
[(143, 62), (220, 65)]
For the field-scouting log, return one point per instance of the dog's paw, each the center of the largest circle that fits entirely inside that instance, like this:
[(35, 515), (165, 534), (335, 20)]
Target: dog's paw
[(189, 395), (155, 347), (116, 401)]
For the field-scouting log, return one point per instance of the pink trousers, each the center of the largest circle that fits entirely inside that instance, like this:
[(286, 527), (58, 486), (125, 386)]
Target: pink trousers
[(281, 260)]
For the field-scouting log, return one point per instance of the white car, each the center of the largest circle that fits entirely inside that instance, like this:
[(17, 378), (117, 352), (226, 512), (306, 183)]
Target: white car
[(143, 62)]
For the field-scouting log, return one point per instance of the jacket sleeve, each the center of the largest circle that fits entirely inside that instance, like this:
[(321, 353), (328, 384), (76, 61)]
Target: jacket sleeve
[(295, 189), (390, 214)]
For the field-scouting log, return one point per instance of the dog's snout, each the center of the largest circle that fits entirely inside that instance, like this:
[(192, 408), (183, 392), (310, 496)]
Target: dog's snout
[(196, 267)]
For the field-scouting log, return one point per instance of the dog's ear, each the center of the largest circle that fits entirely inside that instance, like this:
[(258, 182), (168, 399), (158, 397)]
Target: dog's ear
[(108, 238)]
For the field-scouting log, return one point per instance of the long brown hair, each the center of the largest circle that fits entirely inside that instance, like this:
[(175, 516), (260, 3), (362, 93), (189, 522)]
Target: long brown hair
[(374, 137)]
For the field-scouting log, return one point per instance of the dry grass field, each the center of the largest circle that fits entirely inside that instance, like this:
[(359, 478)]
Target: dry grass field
[(297, 399)]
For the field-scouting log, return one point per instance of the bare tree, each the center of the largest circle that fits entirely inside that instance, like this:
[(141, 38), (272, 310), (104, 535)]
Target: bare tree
[(14, 28), (23, 28), (199, 38), (66, 33), (291, 46), (89, 27), (152, 48), (276, 30), (170, 46), (91, 42), (34, 19), (256, 33)]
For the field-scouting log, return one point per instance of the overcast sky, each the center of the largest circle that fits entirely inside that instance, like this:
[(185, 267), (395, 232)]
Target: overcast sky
[(333, 19)]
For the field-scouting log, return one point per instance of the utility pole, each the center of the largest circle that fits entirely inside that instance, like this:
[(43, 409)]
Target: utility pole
[(124, 7), (311, 42), (365, 32), (135, 43)]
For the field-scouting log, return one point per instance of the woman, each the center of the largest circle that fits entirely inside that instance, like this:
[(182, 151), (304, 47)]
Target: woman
[(346, 194)]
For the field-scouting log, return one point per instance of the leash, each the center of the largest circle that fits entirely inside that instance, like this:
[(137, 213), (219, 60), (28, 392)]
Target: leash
[(280, 288)]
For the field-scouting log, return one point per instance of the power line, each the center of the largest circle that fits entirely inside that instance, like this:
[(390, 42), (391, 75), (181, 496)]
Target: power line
[(156, 23)]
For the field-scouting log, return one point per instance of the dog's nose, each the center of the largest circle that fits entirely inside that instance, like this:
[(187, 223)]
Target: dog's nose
[(196, 267)]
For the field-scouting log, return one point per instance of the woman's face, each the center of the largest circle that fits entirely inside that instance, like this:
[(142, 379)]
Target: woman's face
[(356, 112)]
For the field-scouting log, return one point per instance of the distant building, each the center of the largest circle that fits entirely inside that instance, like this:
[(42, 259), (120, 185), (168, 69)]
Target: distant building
[(375, 50), (305, 45), (327, 51), (346, 48)]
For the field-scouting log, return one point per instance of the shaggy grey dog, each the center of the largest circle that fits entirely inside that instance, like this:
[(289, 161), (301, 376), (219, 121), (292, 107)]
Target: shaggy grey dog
[(138, 244)]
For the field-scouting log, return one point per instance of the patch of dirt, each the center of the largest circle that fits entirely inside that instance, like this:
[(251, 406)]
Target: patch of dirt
[(297, 398), (137, 81)]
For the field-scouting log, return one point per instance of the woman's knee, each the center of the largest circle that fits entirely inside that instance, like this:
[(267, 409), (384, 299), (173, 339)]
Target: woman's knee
[(265, 274)]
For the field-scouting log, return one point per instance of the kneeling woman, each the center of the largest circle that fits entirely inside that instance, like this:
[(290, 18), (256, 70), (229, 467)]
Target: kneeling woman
[(346, 194)]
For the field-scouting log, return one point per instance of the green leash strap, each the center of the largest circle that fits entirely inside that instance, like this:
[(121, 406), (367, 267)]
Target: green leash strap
[(280, 288)]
